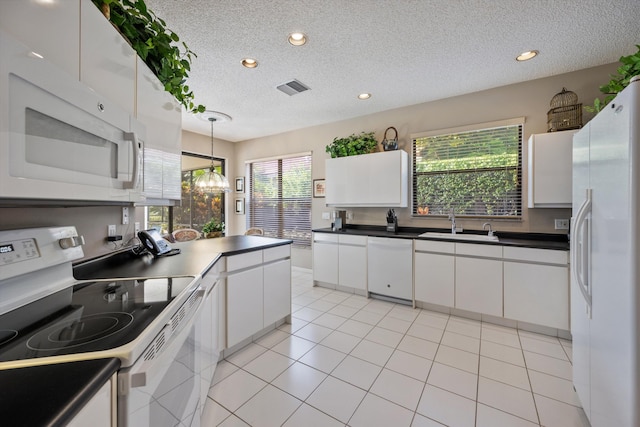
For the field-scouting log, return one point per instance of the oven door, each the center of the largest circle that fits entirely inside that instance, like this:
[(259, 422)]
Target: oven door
[(162, 388)]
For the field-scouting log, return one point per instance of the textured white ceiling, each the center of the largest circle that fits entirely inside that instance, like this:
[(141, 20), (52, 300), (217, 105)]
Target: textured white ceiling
[(404, 52)]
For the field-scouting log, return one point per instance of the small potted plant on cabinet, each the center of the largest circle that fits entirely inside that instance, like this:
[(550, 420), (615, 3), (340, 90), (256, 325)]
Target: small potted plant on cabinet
[(352, 145)]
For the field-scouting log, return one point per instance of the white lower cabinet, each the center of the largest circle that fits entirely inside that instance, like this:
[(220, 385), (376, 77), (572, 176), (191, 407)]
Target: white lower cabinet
[(434, 272), (244, 304), (340, 260), (536, 287), (352, 262), (99, 411), (277, 291), (479, 278), (325, 258), (390, 267), (258, 291)]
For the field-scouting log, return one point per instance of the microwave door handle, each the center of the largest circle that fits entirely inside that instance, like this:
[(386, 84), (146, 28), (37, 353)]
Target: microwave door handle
[(137, 160)]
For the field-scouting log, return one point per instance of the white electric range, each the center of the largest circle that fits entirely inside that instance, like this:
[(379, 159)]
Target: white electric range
[(150, 324)]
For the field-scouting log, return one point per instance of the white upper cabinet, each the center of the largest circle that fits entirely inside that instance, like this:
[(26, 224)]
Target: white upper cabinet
[(550, 169), (162, 116), (107, 61), (377, 179), (50, 29)]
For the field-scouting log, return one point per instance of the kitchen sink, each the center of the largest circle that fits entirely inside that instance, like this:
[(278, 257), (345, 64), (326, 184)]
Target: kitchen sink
[(461, 236)]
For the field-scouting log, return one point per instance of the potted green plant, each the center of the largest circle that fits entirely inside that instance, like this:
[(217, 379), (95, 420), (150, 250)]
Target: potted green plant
[(213, 228), (156, 45), (630, 67), (352, 145)]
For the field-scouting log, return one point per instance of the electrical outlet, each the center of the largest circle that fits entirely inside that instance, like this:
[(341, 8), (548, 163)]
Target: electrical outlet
[(349, 215), (111, 230), (125, 215), (326, 215), (562, 224), (136, 226)]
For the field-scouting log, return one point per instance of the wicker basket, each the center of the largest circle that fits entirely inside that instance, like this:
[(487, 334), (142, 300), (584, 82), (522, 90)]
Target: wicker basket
[(565, 112)]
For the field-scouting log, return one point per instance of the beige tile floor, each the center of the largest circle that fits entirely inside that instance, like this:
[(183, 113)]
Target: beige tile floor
[(346, 360)]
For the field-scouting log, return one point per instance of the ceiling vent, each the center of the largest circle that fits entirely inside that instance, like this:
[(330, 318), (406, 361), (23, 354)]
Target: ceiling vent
[(293, 87)]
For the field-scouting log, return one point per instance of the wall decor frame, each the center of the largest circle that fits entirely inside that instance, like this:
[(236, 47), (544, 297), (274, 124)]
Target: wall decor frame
[(240, 184), (239, 206), (318, 188)]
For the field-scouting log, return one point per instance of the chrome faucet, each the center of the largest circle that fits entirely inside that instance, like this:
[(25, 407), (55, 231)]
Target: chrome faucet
[(452, 218), (490, 229)]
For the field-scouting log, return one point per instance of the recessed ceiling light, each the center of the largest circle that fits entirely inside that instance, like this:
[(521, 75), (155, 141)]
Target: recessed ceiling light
[(525, 56), (364, 96), (249, 63), (297, 39)]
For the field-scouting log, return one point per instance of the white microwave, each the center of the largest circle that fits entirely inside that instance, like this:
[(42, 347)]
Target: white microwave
[(59, 139)]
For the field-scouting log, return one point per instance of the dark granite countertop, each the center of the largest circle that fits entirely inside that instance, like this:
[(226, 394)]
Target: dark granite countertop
[(51, 395), (196, 257), (526, 240)]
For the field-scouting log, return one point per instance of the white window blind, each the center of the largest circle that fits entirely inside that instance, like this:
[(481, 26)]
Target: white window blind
[(280, 198), (474, 172)]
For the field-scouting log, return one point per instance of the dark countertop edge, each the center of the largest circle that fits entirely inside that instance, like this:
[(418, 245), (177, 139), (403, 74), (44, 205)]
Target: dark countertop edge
[(63, 390), (517, 239), (197, 257)]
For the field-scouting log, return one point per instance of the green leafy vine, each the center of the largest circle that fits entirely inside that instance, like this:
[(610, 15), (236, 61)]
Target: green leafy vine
[(156, 45), (630, 67)]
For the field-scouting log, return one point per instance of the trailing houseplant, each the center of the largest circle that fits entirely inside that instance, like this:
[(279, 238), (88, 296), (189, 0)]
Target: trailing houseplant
[(213, 228), (352, 145), (156, 45), (630, 67)]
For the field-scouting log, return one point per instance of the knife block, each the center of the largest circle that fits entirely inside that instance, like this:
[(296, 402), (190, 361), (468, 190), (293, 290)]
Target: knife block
[(392, 227)]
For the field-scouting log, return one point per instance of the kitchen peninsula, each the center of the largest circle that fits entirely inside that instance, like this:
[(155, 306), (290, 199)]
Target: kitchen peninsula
[(246, 290)]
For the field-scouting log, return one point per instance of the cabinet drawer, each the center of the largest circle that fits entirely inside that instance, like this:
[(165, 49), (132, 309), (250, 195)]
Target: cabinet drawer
[(352, 240), (546, 256), (434, 246), (484, 251), (249, 259), (325, 237), (279, 252)]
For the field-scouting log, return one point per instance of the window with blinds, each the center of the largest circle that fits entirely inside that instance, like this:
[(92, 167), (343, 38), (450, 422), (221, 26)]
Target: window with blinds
[(476, 173), (280, 198)]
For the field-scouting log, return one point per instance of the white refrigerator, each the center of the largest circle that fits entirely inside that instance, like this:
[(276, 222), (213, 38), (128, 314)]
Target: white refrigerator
[(605, 263)]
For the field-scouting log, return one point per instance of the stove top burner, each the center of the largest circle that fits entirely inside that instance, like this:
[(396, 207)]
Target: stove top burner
[(87, 317), (79, 332), (7, 335)]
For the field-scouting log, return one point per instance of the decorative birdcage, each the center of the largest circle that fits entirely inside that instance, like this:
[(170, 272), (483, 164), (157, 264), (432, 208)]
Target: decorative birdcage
[(565, 112)]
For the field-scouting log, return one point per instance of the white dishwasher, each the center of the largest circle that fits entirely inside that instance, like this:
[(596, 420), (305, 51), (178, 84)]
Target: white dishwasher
[(390, 267)]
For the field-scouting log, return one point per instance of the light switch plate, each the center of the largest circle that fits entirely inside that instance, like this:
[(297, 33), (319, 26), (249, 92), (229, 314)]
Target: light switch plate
[(562, 224), (125, 215), (325, 215), (111, 230)]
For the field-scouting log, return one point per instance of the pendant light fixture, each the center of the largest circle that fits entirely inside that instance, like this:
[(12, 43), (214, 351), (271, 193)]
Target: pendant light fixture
[(211, 181)]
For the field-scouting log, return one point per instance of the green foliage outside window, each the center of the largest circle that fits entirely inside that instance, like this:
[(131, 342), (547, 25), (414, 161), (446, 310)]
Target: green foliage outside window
[(475, 173)]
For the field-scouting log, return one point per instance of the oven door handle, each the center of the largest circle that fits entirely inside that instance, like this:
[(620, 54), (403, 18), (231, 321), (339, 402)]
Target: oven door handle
[(158, 363)]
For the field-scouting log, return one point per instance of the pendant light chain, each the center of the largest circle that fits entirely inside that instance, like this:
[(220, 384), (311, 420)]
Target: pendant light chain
[(212, 181)]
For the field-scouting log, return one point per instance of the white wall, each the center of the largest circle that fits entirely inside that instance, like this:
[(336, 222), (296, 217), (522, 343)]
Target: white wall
[(529, 99)]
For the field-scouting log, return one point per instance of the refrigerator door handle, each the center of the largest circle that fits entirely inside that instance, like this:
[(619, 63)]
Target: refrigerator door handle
[(581, 253)]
